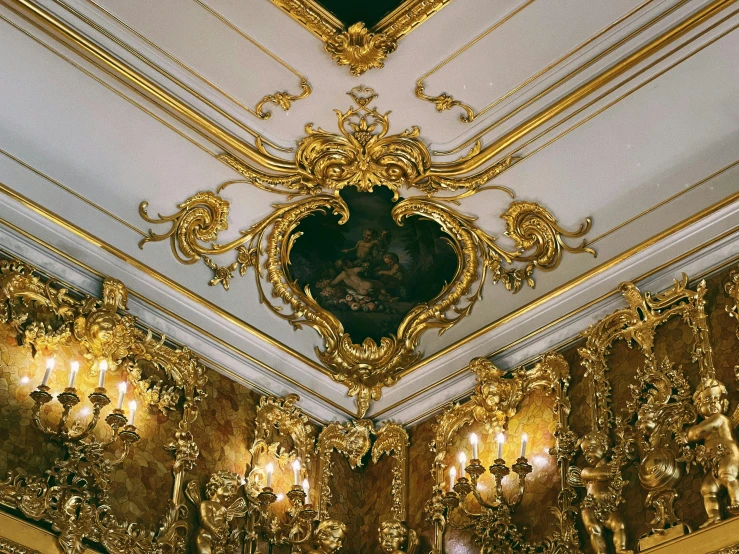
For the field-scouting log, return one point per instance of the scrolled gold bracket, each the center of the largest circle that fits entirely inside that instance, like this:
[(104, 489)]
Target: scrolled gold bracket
[(282, 100), (445, 102)]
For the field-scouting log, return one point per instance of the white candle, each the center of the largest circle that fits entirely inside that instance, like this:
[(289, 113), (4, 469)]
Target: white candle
[(501, 439), (49, 367), (132, 407), (452, 477), (270, 469), (524, 440), (473, 442), (103, 365), (121, 394), (74, 368), (306, 486), (296, 472), (462, 463)]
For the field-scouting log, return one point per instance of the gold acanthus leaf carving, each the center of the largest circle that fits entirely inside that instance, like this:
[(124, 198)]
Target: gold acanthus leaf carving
[(367, 367), (283, 416), (364, 155), (637, 324), (360, 49), (73, 495)]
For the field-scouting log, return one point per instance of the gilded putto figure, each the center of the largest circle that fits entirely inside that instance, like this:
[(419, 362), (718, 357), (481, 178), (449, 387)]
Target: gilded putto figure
[(720, 452), (599, 509), (328, 537), (397, 538), (216, 511)]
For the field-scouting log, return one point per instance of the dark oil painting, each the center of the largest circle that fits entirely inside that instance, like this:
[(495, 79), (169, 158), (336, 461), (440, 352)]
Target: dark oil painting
[(370, 272)]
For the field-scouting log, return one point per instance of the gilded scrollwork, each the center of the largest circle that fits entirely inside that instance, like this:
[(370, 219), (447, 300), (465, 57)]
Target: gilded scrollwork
[(392, 440), (73, 495), (352, 440), (651, 430), (445, 102), (283, 100), (365, 156), (732, 289)]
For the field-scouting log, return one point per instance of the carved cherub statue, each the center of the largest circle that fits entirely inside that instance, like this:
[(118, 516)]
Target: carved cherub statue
[(722, 451), (599, 509), (328, 537), (215, 512), (397, 538)]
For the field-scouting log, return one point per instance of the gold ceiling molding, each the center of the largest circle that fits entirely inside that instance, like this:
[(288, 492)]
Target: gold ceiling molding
[(275, 168), (282, 99), (358, 47), (489, 152), (364, 156), (445, 102)]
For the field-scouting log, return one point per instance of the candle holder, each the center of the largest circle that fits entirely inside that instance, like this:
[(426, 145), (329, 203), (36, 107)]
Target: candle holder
[(80, 434), (492, 524), (293, 527)]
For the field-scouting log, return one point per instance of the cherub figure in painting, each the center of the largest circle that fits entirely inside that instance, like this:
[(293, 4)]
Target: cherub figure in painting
[(328, 537), (397, 538), (216, 511), (721, 456), (351, 277), (599, 508), (369, 247)]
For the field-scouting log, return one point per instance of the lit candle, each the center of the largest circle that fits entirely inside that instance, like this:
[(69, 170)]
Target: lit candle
[(270, 469), (132, 407), (501, 439), (462, 463), (74, 368), (452, 477), (473, 442), (121, 394), (296, 472), (524, 440), (103, 365), (306, 486), (49, 367)]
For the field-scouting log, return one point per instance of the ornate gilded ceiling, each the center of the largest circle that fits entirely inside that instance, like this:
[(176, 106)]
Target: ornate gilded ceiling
[(466, 152)]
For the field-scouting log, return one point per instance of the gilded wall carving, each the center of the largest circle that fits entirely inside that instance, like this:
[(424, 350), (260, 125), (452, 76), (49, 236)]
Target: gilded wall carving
[(639, 396)]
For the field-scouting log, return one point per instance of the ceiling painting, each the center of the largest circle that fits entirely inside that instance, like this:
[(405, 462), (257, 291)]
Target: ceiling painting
[(369, 270)]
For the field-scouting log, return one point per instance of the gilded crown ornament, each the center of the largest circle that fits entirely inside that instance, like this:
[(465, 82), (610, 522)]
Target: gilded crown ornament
[(363, 156)]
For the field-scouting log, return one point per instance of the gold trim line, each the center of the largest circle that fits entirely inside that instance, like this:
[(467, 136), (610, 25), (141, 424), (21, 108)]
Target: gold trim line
[(666, 38)]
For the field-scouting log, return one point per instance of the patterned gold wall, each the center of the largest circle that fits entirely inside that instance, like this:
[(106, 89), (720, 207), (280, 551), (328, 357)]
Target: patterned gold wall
[(142, 485), (673, 340)]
